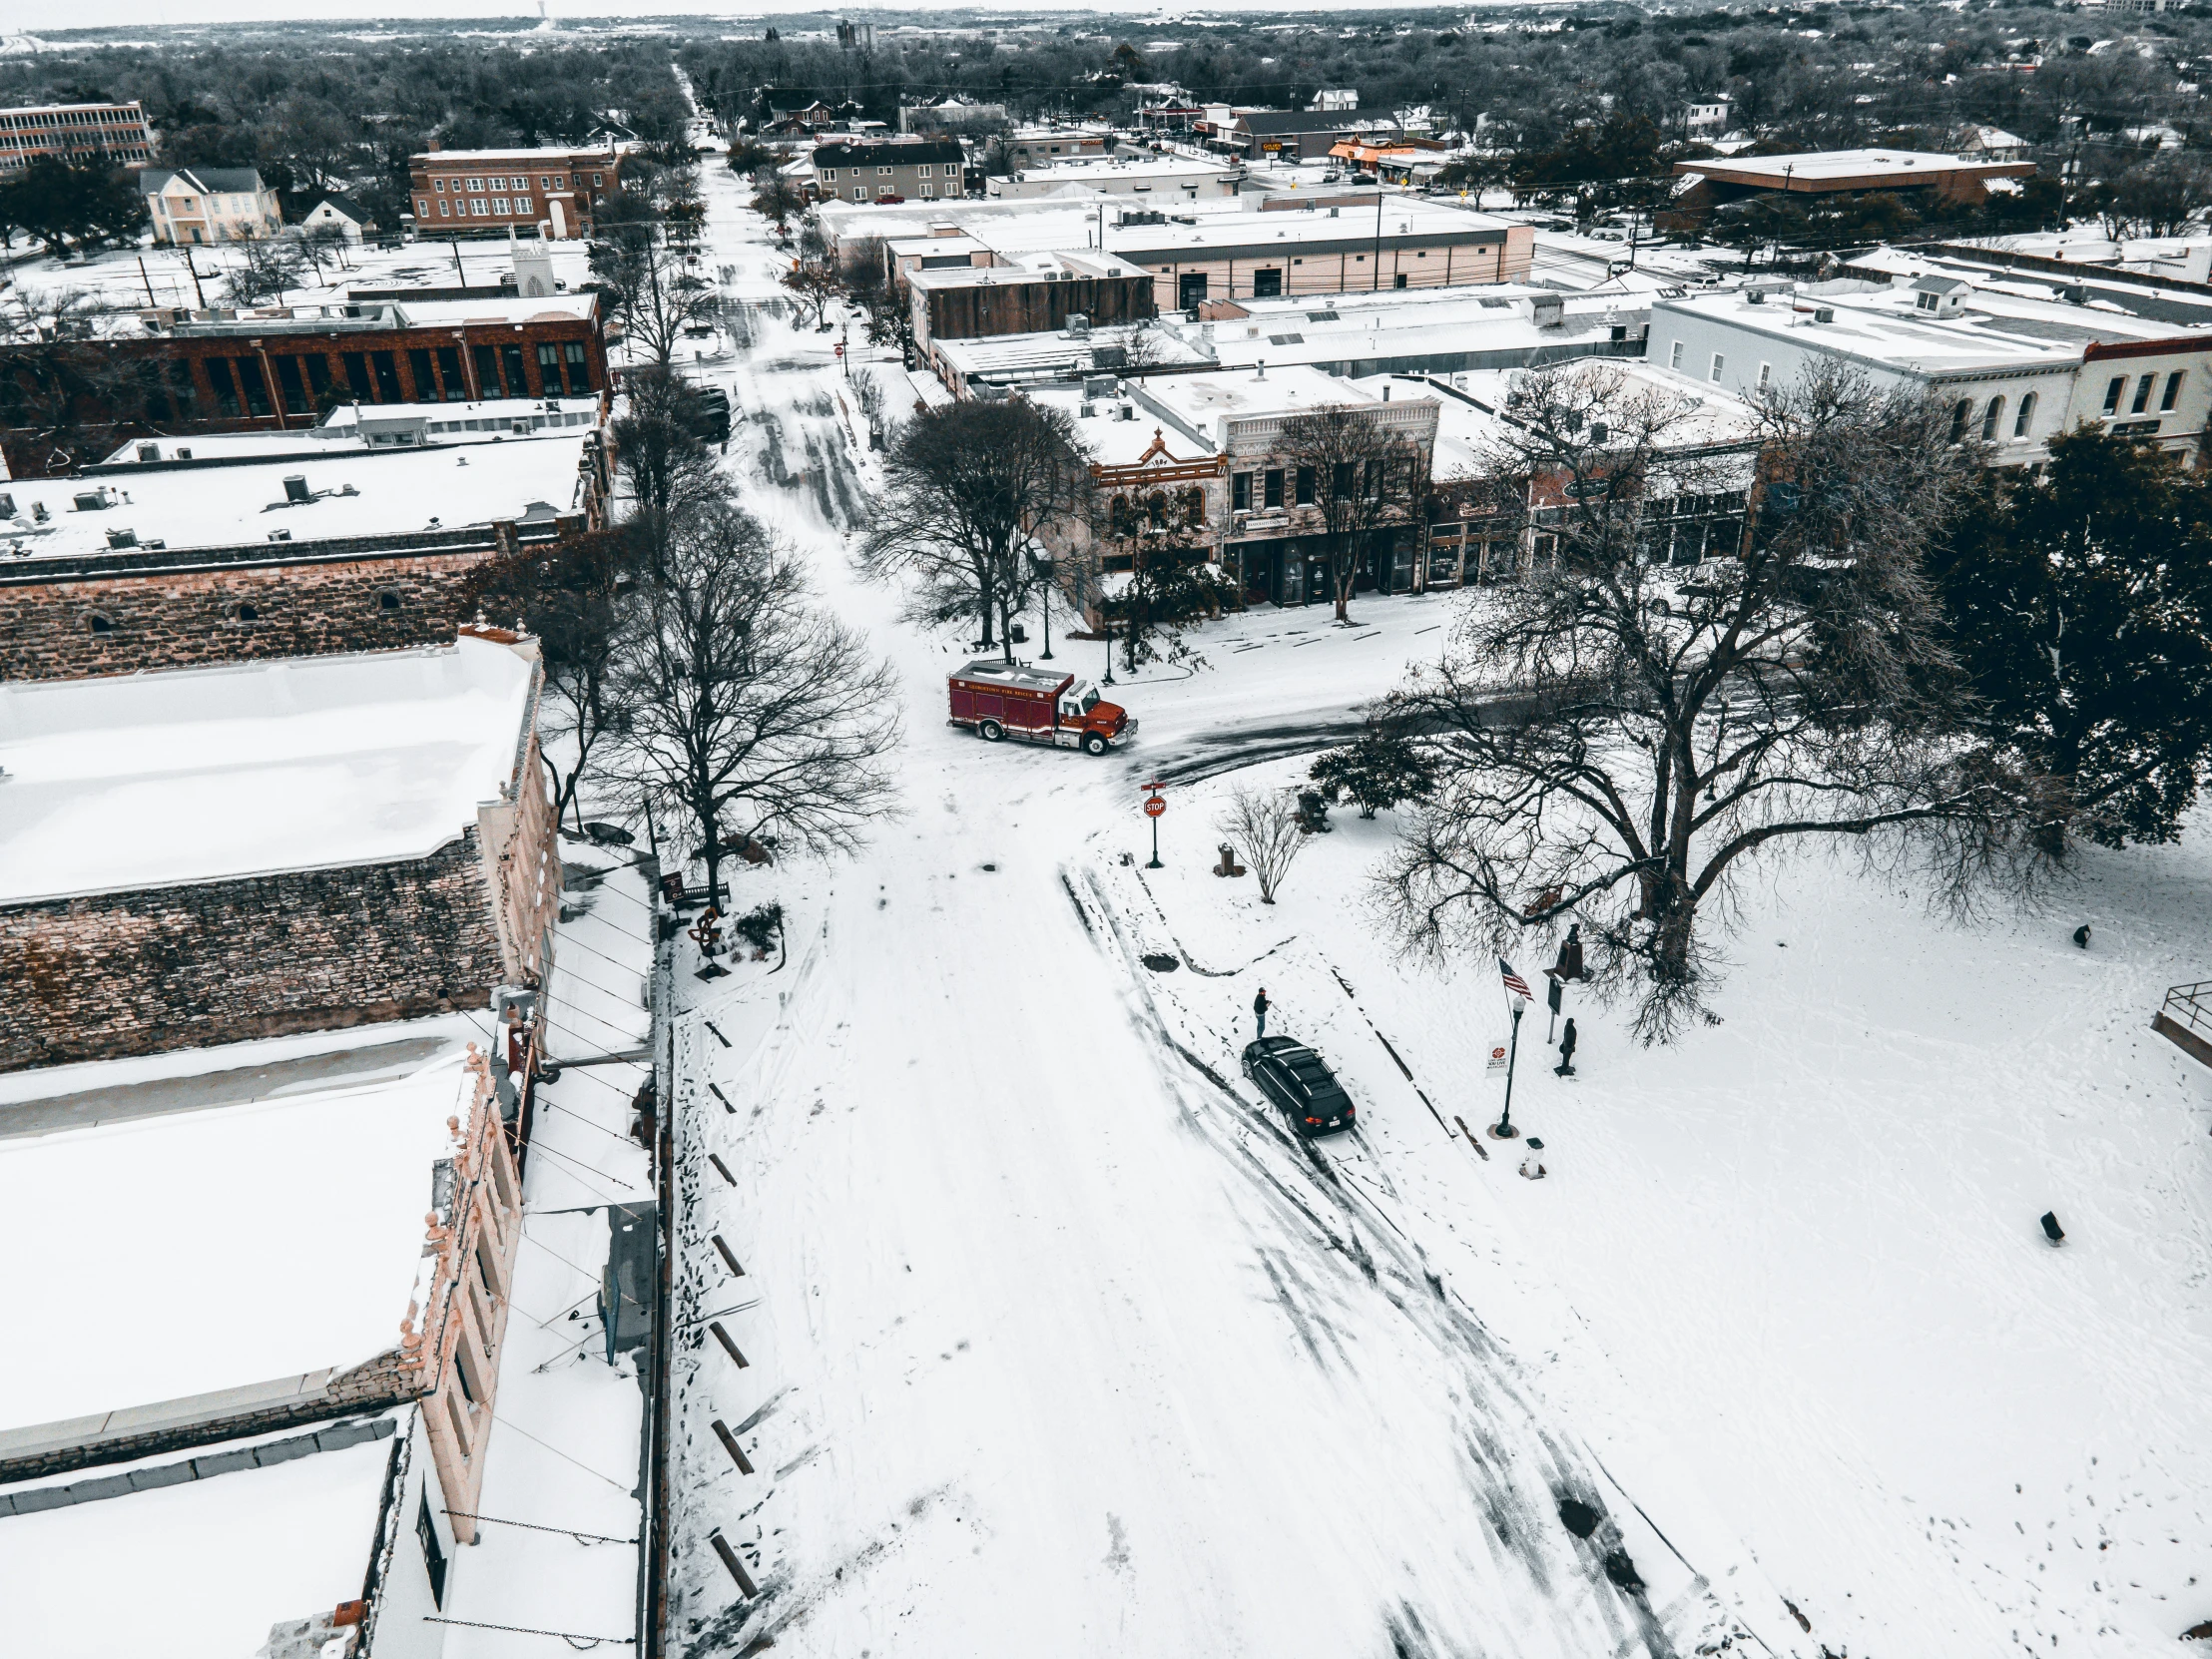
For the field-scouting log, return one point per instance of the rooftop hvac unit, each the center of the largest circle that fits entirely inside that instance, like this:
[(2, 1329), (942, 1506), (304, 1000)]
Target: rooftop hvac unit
[(279, 535), (1128, 412), (7, 506), (1078, 324), (184, 455), (1098, 386), (123, 538), (92, 501), (1824, 314), (296, 488), (148, 451)]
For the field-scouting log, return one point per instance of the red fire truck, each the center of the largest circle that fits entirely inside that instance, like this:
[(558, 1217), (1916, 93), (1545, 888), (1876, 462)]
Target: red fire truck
[(1037, 705)]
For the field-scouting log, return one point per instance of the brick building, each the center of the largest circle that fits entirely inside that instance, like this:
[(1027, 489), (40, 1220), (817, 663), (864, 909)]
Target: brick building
[(310, 548), (1199, 457), (286, 1348), (73, 133), (342, 841), (554, 193), (181, 373)]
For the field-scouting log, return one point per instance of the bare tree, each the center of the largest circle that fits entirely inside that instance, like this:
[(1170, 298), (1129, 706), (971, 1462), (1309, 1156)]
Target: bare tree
[(777, 199), (968, 487), (1361, 478), (324, 242), (648, 289), (812, 286), (868, 284), (1623, 741), (569, 595), (669, 472), (1262, 825), (263, 271), (752, 711), (65, 394)]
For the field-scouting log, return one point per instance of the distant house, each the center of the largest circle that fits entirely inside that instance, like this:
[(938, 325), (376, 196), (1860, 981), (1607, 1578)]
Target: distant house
[(1989, 142), (952, 114), (341, 214), (1706, 119), (198, 204)]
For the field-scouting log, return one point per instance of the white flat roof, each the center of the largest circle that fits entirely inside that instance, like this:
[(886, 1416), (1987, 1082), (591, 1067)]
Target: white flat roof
[(204, 1251), (1076, 169), (397, 491), (222, 1558), (200, 775), (492, 420), (1994, 327), (1705, 415), (1848, 164), (1112, 441)]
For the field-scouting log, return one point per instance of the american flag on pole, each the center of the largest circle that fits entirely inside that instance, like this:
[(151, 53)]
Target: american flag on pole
[(1513, 982)]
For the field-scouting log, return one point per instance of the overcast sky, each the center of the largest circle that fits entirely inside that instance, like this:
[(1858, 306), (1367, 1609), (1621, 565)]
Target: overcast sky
[(114, 13)]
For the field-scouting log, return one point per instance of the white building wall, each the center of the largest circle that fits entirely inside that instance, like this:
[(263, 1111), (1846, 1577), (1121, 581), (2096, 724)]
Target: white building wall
[(404, 1605), (1690, 340)]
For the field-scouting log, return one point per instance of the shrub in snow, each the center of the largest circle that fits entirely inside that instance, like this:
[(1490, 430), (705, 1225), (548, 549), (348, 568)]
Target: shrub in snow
[(1262, 825), (1379, 770)]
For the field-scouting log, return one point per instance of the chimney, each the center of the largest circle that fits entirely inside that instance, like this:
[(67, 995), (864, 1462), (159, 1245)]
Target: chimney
[(435, 145)]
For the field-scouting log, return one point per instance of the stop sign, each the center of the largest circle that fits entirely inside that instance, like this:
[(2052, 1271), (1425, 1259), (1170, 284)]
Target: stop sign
[(1154, 807), (840, 350)]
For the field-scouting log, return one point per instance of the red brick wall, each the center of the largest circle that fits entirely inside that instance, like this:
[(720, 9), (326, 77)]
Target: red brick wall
[(183, 619), (147, 972), (98, 429)]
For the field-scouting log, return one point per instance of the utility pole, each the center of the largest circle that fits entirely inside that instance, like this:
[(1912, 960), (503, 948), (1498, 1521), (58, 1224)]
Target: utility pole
[(1378, 227)]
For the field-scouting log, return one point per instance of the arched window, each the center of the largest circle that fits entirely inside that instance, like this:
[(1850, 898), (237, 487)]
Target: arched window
[(1122, 520), (1958, 418), (1156, 509), (2026, 416), (1990, 418), (1194, 508)]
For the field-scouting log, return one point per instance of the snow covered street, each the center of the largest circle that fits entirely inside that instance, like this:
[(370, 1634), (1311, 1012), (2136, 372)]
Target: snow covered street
[(1054, 1340)]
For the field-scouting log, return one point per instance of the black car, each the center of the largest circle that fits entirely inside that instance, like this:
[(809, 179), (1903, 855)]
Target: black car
[(1293, 1076)]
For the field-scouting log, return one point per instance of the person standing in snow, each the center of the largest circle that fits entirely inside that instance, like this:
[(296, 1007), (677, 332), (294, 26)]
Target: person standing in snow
[(1260, 1014), (1565, 1068)]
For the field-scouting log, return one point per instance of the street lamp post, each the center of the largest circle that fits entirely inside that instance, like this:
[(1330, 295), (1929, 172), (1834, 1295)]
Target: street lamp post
[(1504, 1129), (1041, 563)]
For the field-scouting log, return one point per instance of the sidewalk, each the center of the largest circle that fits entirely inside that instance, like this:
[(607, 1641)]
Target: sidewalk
[(560, 1554)]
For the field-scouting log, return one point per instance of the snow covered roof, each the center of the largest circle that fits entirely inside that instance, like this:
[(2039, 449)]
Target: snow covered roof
[(207, 773), (1882, 326), (494, 419), (1396, 325), (356, 493), (223, 1558), (265, 1239), (1468, 425)]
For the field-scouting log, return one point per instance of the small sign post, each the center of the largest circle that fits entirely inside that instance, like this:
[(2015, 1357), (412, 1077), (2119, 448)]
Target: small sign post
[(1154, 806)]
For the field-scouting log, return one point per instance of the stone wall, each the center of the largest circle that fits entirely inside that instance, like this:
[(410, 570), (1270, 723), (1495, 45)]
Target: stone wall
[(381, 1381), (97, 977)]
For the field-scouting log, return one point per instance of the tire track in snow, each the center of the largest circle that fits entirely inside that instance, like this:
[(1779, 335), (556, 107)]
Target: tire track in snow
[(1499, 1416)]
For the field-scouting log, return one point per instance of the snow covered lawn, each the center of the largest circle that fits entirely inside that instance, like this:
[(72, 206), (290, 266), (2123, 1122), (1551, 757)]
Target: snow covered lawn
[(1807, 1240)]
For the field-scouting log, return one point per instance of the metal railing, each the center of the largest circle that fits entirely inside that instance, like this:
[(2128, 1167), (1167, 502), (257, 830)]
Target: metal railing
[(2190, 1007)]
